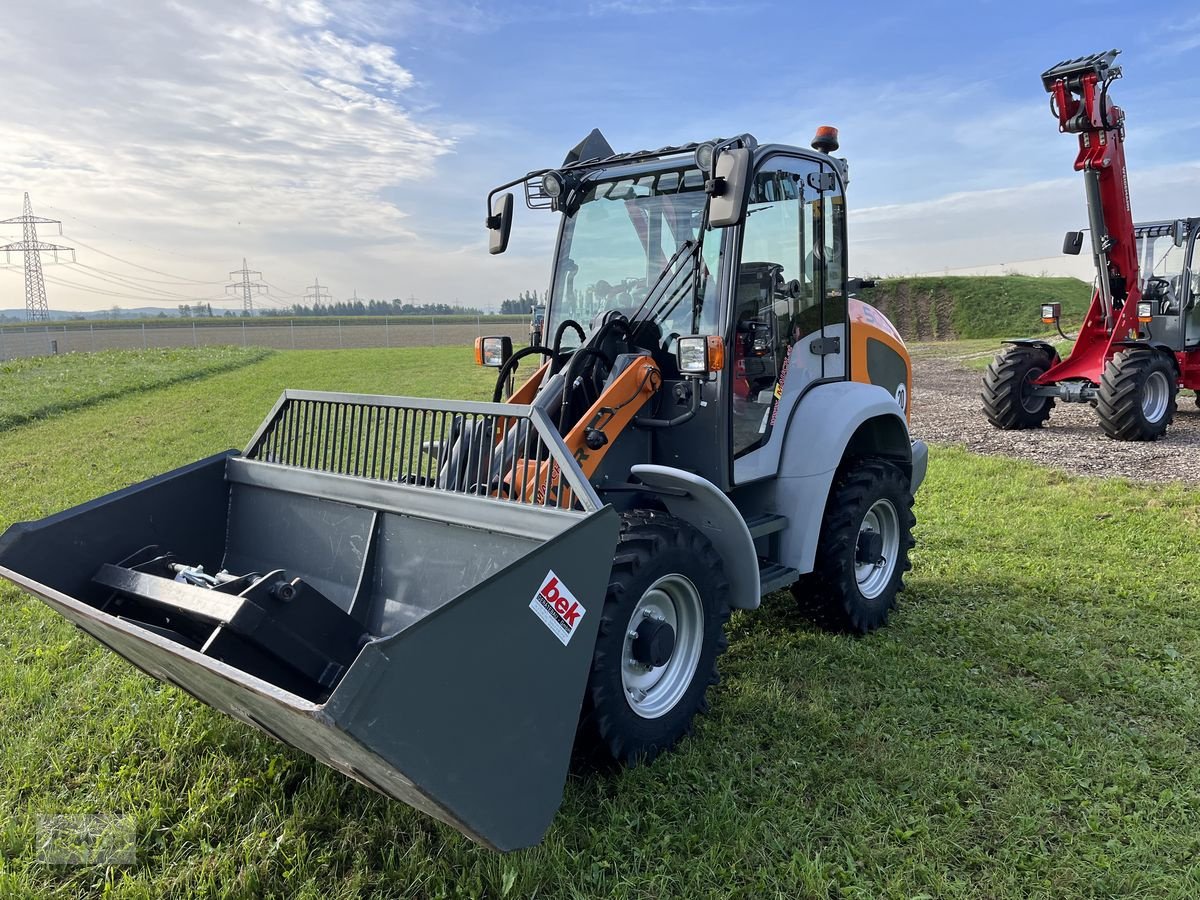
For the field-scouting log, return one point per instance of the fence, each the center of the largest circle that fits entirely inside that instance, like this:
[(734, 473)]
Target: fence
[(280, 334)]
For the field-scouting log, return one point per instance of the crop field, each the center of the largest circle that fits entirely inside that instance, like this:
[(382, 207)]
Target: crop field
[(1027, 726)]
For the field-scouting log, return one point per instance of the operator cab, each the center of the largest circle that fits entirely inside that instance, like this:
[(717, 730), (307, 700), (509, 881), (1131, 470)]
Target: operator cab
[(1167, 310), (641, 267)]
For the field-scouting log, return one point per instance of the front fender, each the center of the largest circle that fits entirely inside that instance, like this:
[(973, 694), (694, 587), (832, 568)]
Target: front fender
[(705, 506)]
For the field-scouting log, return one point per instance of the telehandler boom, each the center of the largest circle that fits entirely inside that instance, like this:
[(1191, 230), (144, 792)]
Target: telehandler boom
[(1140, 340)]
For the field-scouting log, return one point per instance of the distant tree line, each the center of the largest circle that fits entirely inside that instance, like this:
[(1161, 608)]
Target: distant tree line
[(194, 311), (523, 304), (373, 308)]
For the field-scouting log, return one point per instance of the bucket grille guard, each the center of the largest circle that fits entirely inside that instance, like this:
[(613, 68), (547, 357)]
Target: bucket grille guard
[(504, 451)]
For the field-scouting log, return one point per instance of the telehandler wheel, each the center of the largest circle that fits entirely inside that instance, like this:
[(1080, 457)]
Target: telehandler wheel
[(862, 553), (1137, 395), (661, 631), (1007, 401)]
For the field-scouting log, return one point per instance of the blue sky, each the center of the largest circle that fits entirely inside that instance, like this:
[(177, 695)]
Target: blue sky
[(355, 141)]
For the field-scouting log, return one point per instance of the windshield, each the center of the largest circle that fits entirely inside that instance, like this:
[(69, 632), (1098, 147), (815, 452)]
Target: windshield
[(616, 243)]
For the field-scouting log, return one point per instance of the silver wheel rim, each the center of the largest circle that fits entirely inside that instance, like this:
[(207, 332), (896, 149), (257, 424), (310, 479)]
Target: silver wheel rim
[(873, 577), (1156, 392), (653, 691)]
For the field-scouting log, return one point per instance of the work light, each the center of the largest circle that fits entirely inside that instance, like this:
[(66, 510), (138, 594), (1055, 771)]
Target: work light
[(552, 185)]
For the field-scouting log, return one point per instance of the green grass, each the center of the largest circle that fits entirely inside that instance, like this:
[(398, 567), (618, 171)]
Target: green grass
[(42, 386), (1026, 727), (254, 321), (977, 306)]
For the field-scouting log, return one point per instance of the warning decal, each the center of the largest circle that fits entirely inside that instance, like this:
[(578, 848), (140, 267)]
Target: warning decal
[(557, 607)]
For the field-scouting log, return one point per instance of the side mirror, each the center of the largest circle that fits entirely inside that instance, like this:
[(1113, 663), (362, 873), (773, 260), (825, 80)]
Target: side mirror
[(499, 224), (698, 354), (727, 187), (1073, 243), (1179, 232), (493, 352)]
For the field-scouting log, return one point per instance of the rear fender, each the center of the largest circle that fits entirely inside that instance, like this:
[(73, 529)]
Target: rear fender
[(834, 422)]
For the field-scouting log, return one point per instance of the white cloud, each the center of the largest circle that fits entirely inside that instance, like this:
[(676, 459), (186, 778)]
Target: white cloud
[(1018, 227), (223, 129)]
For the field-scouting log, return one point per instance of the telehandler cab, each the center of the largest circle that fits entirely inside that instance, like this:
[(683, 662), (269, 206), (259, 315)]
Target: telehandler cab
[(442, 599), (1140, 341)]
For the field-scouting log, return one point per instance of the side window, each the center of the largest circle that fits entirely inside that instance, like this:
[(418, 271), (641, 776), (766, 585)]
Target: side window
[(833, 214), (776, 299)]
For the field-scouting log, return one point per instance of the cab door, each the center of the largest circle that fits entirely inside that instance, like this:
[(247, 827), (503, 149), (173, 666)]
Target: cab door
[(788, 300)]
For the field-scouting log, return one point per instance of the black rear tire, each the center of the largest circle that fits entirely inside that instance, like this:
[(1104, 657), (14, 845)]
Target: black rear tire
[(1006, 385), (845, 591), (1137, 396), (653, 547)]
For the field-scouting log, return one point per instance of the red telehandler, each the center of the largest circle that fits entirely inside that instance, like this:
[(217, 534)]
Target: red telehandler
[(1140, 341)]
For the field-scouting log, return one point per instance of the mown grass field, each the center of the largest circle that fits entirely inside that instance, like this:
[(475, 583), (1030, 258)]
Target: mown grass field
[(1027, 727), (38, 387)]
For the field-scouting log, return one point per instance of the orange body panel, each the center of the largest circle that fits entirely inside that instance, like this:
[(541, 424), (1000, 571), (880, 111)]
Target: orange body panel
[(610, 414), (868, 324)]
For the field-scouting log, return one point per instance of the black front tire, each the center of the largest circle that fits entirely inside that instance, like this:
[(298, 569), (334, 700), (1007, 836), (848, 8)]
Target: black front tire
[(840, 593), (1006, 385), (1137, 396), (652, 546)]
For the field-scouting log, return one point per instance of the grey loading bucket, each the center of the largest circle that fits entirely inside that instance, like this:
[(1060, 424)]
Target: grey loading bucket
[(407, 590)]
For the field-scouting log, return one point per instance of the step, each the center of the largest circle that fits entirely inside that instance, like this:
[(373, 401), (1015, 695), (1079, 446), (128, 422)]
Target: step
[(768, 523), (773, 577)]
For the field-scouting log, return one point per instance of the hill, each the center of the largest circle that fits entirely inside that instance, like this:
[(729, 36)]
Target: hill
[(976, 306)]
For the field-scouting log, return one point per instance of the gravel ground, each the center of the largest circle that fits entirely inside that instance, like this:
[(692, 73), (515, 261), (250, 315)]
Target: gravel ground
[(946, 410)]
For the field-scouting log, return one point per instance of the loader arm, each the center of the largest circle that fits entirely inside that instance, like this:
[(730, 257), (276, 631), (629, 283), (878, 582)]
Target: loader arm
[(1080, 101)]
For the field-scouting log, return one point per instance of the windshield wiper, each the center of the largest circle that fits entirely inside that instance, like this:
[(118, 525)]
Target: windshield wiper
[(665, 279)]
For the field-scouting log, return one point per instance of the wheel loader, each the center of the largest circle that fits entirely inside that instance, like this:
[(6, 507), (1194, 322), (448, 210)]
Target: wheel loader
[(1140, 340), (449, 600)]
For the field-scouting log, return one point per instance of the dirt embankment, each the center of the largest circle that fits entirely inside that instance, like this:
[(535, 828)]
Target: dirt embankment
[(919, 313)]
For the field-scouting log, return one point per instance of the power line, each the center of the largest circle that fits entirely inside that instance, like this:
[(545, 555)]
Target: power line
[(122, 281), (119, 237), (247, 286), (143, 268), (36, 308)]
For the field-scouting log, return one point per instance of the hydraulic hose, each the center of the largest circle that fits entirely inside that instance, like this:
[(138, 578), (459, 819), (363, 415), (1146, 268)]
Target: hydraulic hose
[(558, 336)]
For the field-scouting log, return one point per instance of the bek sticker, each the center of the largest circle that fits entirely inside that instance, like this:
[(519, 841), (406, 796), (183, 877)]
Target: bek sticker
[(557, 607)]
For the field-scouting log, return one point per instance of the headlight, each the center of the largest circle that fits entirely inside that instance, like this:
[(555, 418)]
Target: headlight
[(692, 353), (1145, 311), (699, 354), (704, 156)]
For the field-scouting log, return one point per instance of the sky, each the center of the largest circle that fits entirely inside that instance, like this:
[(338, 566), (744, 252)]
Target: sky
[(355, 141)]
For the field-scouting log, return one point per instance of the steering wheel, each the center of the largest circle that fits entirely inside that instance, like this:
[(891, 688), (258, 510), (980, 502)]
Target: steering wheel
[(511, 364), (1163, 284)]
